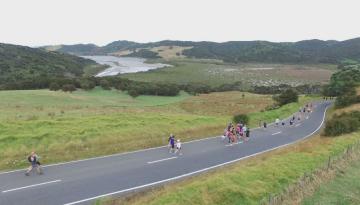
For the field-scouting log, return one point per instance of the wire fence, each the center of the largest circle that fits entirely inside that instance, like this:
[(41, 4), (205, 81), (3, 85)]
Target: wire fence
[(308, 183)]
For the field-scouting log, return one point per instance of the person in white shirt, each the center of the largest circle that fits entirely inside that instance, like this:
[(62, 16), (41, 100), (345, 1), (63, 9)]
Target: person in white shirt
[(178, 147), (277, 121)]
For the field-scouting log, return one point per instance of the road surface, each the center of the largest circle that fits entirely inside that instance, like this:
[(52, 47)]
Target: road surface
[(84, 181)]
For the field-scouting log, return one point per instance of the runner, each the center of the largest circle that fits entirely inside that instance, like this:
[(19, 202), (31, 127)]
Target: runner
[(178, 147), (247, 133), (291, 122), (245, 130), (265, 125), (171, 143), (277, 121), (223, 137), (33, 159)]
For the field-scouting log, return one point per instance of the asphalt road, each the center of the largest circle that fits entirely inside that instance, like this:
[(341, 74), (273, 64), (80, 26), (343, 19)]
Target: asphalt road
[(84, 181)]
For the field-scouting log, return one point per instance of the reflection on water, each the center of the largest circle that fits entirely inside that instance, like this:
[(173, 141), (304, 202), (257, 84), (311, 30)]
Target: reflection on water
[(120, 65)]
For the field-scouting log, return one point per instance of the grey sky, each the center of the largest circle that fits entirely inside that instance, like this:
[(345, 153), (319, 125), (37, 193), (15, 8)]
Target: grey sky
[(43, 22)]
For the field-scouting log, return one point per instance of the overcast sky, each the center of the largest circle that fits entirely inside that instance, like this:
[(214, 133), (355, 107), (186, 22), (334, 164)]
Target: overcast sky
[(44, 22)]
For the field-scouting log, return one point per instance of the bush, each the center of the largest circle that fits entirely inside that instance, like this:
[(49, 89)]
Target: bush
[(347, 98), (341, 124), (288, 96), (87, 84), (54, 87), (242, 118), (68, 88), (105, 84), (133, 93)]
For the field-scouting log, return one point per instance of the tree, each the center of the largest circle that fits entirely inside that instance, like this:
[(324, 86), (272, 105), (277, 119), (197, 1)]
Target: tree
[(241, 118), (105, 84), (287, 96), (87, 84), (54, 87), (68, 88), (133, 93)]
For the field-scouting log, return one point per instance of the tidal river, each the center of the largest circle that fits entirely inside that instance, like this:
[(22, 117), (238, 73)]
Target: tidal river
[(119, 65)]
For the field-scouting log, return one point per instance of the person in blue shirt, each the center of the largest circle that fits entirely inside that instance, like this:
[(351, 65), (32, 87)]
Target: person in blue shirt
[(171, 142)]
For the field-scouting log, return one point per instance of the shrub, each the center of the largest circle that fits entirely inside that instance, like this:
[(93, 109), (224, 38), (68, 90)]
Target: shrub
[(54, 87), (242, 118), (343, 123), (347, 98), (133, 93), (288, 96), (68, 88), (87, 84), (105, 84)]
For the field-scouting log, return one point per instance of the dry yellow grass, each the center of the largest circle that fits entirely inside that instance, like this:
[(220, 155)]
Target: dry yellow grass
[(226, 103), (358, 91), (165, 52), (169, 52)]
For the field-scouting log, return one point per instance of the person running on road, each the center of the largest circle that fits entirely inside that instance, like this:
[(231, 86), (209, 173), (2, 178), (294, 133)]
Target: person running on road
[(277, 121), (291, 122), (247, 134), (265, 125), (178, 147), (171, 143), (33, 159)]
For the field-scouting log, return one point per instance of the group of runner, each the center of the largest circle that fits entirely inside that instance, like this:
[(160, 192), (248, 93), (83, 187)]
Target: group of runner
[(174, 145), (235, 134)]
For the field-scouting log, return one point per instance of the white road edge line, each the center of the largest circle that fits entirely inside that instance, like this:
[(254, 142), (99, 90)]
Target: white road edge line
[(34, 185), (199, 171), (276, 133), (161, 160), (298, 125), (123, 153)]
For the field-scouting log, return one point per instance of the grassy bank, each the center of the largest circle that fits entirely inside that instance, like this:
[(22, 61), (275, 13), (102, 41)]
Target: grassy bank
[(63, 126), (344, 189)]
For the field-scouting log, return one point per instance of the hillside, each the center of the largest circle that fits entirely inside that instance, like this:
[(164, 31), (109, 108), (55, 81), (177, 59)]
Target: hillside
[(307, 51), (19, 63)]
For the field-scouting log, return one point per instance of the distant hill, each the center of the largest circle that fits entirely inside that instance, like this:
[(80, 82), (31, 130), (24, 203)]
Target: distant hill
[(308, 51), (20, 63)]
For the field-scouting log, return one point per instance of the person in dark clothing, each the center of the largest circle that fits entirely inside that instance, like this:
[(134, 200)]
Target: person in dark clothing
[(247, 133), (34, 161)]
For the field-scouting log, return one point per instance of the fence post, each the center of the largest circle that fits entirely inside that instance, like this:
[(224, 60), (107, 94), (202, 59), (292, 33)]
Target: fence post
[(329, 161)]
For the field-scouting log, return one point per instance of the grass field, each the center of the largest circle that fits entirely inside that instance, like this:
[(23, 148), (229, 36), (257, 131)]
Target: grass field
[(344, 189), (215, 73), (66, 126)]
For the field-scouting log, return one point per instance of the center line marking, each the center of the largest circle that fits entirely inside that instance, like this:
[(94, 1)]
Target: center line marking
[(10, 190), (276, 133), (233, 144), (160, 160)]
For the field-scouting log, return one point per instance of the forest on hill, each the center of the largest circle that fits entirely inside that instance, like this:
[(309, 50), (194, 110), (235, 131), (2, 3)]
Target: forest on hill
[(19, 63), (307, 51)]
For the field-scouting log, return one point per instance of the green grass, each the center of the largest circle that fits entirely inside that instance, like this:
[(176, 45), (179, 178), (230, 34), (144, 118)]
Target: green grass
[(250, 181), (281, 113), (343, 190), (215, 73), (23, 104)]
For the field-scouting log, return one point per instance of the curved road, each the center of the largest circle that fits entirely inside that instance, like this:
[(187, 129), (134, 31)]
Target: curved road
[(83, 181)]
